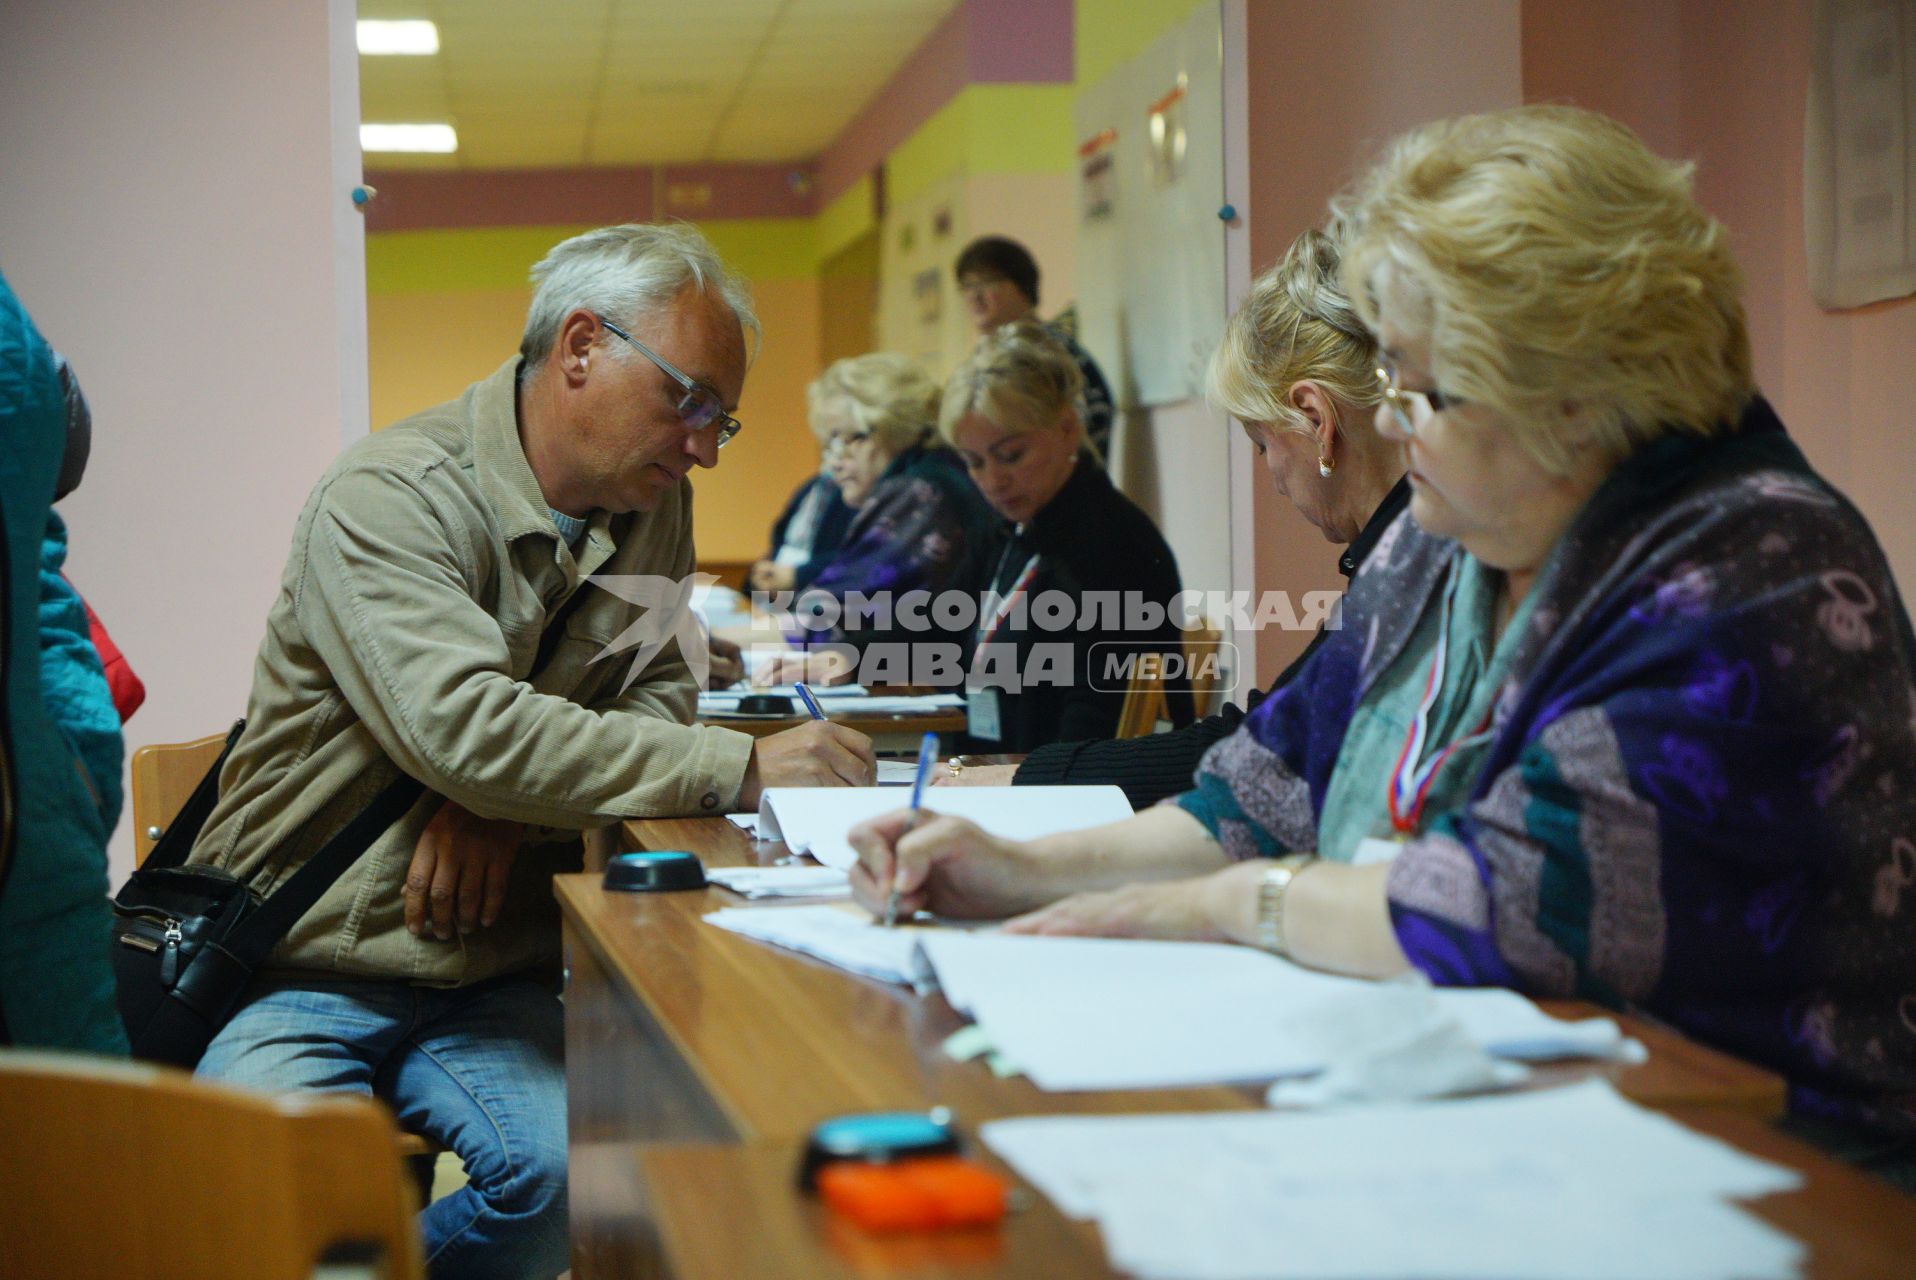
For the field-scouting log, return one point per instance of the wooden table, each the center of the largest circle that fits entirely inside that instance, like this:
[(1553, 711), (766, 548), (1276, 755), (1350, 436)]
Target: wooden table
[(677, 1033), (1855, 1226)]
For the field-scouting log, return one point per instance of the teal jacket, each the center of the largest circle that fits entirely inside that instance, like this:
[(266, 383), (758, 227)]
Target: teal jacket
[(56, 982)]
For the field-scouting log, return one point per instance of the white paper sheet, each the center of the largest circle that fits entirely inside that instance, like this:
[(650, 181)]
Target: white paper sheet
[(782, 882), (1103, 1013), (843, 938), (746, 822), (1574, 1183), (897, 773), (816, 820)]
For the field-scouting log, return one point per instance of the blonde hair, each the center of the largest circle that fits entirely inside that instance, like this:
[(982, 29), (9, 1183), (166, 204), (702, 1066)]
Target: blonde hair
[(887, 396), (1566, 265), (1020, 378), (1295, 324)]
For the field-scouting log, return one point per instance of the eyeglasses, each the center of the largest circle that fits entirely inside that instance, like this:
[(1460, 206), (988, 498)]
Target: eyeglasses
[(836, 444), (1411, 407), (981, 284), (700, 406)]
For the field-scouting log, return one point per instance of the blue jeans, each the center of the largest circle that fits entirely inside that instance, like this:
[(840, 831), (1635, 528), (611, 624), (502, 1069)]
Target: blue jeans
[(480, 1069)]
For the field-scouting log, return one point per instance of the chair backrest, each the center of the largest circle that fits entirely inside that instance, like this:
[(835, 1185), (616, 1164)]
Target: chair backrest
[(1144, 703), (131, 1171), (164, 775)]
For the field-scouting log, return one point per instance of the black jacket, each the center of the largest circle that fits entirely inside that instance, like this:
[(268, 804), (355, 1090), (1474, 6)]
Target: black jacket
[(1091, 542), (1160, 765)]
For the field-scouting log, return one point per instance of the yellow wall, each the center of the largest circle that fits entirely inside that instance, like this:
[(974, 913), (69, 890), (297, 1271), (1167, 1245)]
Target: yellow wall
[(444, 308)]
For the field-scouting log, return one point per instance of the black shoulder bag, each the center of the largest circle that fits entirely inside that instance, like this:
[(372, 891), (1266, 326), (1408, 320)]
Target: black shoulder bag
[(187, 939)]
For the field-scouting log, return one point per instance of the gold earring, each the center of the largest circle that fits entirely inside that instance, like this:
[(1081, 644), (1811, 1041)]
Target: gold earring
[(1325, 466)]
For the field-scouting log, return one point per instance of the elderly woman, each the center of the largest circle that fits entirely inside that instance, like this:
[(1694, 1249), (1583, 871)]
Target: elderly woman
[(921, 527), (1299, 369), (1012, 412), (1628, 713)]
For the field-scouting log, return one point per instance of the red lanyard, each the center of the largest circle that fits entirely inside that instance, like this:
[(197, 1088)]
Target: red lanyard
[(1410, 784), (1003, 610)]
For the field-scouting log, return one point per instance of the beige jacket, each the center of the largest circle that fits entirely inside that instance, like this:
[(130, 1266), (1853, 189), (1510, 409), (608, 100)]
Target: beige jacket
[(422, 573)]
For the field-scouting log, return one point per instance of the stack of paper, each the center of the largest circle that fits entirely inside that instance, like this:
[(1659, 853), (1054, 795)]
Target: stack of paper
[(850, 941), (1563, 1184), (816, 820), (782, 882), (1103, 1013)]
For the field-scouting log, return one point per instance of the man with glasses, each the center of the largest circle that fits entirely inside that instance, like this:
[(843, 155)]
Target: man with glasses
[(436, 622), (998, 280)]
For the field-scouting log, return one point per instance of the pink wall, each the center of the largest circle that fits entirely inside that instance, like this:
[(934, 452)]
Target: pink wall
[(1730, 94), (1328, 84), (189, 252)]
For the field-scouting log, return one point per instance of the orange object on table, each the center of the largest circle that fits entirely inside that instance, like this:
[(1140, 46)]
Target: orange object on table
[(935, 1193)]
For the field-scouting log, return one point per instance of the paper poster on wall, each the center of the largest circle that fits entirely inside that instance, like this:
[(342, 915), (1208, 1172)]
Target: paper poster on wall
[(1859, 145), (1150, 245), (1098, 176)]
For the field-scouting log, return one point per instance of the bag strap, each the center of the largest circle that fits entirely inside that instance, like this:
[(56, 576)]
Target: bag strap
[(176, 842), (256, 936)]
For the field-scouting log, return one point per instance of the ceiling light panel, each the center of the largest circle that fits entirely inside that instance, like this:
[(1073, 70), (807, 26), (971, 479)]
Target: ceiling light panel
[(432, 139), (412, 36)]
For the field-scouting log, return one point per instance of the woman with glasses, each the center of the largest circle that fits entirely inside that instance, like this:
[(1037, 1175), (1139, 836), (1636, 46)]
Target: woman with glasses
[(1625, 711), (920, 526)]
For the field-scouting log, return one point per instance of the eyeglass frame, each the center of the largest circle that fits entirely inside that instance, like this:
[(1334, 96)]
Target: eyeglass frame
[(728, 426), (1398, 398), (837, 443)]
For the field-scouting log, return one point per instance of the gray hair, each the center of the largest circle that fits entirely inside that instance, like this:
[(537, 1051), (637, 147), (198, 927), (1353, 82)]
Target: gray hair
[(620, 272)]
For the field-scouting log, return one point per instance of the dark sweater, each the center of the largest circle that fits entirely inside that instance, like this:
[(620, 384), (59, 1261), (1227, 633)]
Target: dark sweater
[(1159, 765), (1090, 540), (828, 520)]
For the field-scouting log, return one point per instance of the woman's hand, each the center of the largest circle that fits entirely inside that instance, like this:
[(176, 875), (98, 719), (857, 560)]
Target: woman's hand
[(727, 666), (976, 775), (1221, 907), (768, 575), (942, 864)]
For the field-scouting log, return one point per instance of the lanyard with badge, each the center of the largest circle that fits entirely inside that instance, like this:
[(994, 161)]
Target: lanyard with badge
[(982, 719), (1412, 776)]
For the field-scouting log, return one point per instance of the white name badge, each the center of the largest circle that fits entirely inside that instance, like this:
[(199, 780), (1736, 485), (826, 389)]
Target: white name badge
[(981, 714), (1372, 849)]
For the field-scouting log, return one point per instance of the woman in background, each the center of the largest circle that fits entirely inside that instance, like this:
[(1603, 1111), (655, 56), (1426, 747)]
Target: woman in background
[(1013, 412), (920, 527)]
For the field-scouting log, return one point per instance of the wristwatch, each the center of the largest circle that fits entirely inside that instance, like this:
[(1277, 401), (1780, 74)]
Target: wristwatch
[(1270, 901)]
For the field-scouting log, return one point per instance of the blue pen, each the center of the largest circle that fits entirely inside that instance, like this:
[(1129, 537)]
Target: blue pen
[(810, 700), (927, 756)]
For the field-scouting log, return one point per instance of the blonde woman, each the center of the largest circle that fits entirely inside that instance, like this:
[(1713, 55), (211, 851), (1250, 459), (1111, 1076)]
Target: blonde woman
[(1627, 713), (920, 527), (1013, 413), (1299, 369)]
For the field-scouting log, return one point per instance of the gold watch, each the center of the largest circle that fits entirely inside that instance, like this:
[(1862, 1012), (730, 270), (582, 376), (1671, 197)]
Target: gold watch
[(1270, 901)]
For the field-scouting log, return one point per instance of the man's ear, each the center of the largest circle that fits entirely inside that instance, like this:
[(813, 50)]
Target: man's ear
[(578, 334), (1310, 399)]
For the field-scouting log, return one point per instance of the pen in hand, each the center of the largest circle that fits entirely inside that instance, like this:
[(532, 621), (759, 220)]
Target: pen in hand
[(810, 700), (927, 756)]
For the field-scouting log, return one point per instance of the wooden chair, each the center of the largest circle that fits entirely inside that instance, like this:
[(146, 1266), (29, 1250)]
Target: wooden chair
[(1144, 702), (144, 1173), (164, 775)]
